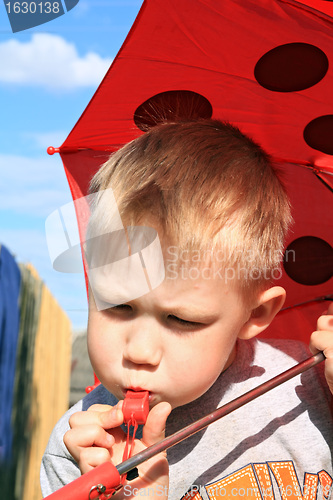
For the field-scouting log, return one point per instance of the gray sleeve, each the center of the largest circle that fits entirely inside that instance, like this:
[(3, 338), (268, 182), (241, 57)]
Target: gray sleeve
[(58, 467), (56, 472)]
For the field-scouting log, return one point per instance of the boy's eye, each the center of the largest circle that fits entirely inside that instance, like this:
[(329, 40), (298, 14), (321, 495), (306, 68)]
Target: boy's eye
[(183, 322), (120, 309)]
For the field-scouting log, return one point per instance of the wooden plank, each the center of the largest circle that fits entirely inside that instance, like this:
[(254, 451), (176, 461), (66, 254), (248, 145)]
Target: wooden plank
[(51, 384)]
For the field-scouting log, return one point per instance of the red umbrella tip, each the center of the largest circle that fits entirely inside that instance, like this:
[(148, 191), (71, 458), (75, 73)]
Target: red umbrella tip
[(51, 150)]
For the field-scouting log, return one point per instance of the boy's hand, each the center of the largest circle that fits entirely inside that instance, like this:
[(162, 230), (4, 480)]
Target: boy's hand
[(322, 340), (95, 437), (93, 434)]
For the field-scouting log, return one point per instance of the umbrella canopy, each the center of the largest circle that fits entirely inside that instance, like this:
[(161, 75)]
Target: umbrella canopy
[(263, 65)]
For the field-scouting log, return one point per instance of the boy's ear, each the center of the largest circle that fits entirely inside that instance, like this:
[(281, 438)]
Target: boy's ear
[(269, 304)]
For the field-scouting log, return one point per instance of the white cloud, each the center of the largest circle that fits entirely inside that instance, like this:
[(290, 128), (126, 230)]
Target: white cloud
[(51, 62)]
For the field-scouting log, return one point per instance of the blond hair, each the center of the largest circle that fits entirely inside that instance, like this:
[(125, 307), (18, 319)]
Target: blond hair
[(207, 187)]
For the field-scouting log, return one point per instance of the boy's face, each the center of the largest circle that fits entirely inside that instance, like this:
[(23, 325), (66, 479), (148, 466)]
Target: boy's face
[(173, 342)]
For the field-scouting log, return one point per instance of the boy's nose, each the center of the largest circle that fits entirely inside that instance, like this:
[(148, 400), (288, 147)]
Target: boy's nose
[(143, 346)]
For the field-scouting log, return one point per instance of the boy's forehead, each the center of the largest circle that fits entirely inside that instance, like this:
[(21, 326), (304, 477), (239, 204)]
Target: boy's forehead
[(207, 263), (180, 280), (133, 261), (182, 293)]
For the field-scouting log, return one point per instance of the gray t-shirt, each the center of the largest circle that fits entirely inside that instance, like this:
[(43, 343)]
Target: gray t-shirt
[(282, 441)]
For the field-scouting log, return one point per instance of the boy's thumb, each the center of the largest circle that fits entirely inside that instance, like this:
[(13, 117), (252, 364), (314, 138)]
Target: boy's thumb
[(154, 428)]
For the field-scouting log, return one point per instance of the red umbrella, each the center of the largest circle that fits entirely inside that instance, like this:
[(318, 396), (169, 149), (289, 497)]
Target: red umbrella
[(264, 66)]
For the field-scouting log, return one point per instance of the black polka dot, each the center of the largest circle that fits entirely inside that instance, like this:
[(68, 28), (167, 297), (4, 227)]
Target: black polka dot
[(318, 134), (291, 67), (172, 105), (309, 260)]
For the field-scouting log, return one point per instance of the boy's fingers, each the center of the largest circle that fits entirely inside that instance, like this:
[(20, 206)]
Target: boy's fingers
[(93, 457), (326, 317), (100, 407), (109, 419), (322, 341), (325, 322), (86, 436), (154, 429)]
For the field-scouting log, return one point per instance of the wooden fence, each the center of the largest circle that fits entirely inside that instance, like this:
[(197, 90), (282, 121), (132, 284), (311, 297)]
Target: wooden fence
[(41, 387), (50, 382)]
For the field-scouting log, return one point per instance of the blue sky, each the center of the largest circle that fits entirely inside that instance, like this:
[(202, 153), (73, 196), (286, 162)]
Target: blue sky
[(48, 74)]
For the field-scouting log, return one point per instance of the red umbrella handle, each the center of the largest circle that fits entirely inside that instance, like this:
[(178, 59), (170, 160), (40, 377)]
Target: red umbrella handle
[(103, 479)]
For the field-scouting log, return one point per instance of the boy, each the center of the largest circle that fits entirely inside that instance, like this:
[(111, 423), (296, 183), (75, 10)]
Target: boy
[(221, 214)]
